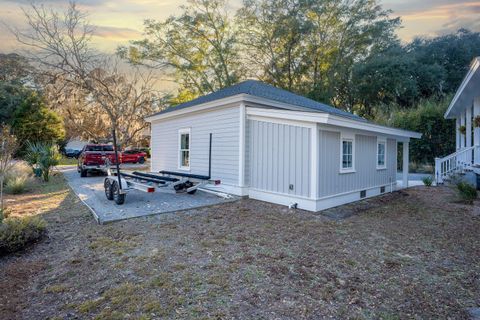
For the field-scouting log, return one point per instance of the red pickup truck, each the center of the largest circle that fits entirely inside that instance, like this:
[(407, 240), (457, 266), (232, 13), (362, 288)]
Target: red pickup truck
[(133, 156), (94, 156)]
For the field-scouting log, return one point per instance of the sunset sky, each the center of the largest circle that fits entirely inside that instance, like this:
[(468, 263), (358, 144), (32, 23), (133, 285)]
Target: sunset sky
[(118, 21)]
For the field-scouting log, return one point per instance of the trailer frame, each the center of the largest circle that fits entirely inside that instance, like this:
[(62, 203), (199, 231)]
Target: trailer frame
[(119, 184)]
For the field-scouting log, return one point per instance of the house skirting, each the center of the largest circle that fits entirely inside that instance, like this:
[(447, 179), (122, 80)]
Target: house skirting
[(319, 204)]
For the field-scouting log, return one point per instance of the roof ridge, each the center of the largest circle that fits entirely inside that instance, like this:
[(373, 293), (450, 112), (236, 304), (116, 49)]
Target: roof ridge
[(258, 88)]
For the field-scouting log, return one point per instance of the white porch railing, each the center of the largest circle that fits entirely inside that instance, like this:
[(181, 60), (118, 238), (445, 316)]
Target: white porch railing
[(454, 163)]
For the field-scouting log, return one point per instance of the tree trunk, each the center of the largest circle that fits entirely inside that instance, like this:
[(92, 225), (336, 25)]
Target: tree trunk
[(1, 193)]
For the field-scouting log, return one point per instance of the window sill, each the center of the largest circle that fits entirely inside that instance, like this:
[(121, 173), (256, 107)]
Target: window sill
[(347, 171), (381, 168), (184, 168)]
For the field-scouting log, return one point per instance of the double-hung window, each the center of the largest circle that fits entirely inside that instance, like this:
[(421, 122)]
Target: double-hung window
[(184, 149), (347, 157), (381, 154)]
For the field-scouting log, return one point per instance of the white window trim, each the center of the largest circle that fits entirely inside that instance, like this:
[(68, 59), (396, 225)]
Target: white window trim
[(383, 141), (347, 137), (179, 152)]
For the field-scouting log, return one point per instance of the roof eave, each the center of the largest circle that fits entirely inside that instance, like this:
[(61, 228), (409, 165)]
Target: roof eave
[(334, 120), (473, 68)]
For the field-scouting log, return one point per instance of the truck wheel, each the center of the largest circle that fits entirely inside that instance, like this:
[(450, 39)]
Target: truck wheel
[(118, 197), (108, 189), (141, 160), (83, 173)]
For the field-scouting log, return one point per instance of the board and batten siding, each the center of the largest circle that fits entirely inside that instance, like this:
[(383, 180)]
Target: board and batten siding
[(278, 156), (223, 123), (366, 175)]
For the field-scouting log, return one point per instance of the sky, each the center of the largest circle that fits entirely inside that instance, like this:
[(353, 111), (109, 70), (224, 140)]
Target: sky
[(118, 21)]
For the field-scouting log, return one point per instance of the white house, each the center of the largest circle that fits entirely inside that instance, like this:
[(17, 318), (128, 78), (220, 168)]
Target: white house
[(465, 109), (273, 145)]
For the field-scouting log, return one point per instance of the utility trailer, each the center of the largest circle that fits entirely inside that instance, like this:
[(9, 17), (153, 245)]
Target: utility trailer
[(118, 185)]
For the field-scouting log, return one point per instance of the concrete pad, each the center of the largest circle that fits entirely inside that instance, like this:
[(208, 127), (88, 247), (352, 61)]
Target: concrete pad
[(137, 204)]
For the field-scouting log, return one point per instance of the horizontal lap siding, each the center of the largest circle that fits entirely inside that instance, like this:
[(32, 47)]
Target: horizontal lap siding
[(332, 182), (279, 155), (223, 123)]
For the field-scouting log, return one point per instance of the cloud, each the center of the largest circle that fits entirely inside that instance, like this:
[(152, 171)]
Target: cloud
[(89, 3), (406, 7), (119, 33), (432, 18)]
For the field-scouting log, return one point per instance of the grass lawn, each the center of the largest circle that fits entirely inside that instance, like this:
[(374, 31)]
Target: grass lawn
[(410, 254), (64, 161)]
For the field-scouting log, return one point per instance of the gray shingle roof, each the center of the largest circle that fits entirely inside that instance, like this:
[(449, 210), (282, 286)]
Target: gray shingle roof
[(263, 90)]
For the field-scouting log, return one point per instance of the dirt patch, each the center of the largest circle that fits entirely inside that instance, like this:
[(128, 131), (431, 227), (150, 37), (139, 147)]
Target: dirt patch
[(405, 255)]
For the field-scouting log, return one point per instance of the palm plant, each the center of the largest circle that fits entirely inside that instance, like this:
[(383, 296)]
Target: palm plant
[(32, 157), (42, 157)]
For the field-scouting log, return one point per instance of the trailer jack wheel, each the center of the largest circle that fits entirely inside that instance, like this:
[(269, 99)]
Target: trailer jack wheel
[(118, 197), (108, 189), (179, 187), (192, 192)]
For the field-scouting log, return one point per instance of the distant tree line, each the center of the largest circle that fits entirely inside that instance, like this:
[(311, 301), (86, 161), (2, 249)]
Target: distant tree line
[(341, 52)]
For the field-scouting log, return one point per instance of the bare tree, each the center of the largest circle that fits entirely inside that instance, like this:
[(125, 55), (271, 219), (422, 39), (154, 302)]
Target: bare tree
[(8, 146), (102, 94)]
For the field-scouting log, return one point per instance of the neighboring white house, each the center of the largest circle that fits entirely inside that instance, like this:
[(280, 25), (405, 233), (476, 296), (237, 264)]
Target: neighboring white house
[(273, 145), (465, 109)]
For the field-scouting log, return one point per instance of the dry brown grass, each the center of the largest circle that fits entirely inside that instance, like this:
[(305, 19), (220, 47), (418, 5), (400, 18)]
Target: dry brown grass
[(405, 255)]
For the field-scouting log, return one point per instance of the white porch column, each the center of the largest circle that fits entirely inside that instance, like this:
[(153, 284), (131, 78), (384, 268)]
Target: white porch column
[(468, 125), (405, 164), (457, 134), (241, 147), (462, 136), (476, 131), (314, 162)]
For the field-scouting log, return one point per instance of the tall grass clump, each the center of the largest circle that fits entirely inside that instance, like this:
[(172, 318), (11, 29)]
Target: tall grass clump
[(16, 185), (17, 178), (467, 192)]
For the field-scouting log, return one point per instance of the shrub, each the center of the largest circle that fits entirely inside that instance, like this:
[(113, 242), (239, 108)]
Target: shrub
[(467, 192), (3, 215), (427, 181), (17, 233), (462, 130), (16, 185)]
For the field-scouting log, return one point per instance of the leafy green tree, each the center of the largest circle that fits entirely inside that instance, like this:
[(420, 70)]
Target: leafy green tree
[(404, 75), (11, 97), (200, 47), (438, 133), (33, 121), (394, 77), (14, 73), (453, 52), (310, 47)]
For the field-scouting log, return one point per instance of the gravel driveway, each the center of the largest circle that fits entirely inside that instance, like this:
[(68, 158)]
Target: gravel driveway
[(90, 191)]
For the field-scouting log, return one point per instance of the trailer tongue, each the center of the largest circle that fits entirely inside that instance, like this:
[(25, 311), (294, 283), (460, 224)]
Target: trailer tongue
[(116, 187)]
